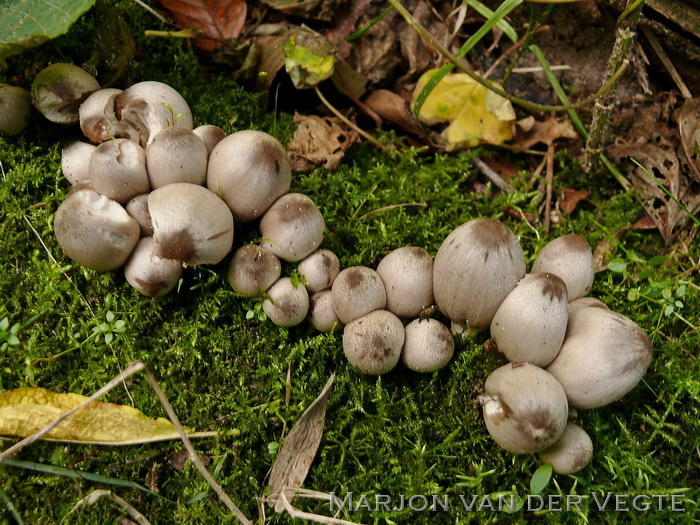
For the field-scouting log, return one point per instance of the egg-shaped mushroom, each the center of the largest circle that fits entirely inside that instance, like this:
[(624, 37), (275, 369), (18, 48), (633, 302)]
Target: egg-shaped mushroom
[(319, 269), (210, 135), (176, 155), (253, 270), (407, 273), (15, 109), (570, 257), (322, 315), (357, 291), (59, 89), (75, 161), (137, 207), (571, 452), (98, 121), (372, 343), (149, 274), (117, 170), (428, 345), (286, 304)]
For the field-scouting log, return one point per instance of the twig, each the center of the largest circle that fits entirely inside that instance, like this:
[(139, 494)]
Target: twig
[(296, 513), (651, 37), (391, 207), (92, 498), (153, 11), (494, 177), (548, 187)]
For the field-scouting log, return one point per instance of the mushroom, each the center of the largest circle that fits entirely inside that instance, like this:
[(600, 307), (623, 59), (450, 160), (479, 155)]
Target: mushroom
[(249, 170), (584, 302), (117, 169), (59, 89), (571, 452), (137, 207), (408, 278), (428, 345), (15, 109), (322, 315), (478, 264), (176, 155), (95, 231), (373, 342), (292, 227), (151, 275), (210, 135), (524, 408), (357, 291), (287, 304), (75, 161), (97, 119), (253, 270), (531, 322), (570, 258), (603, 357), (319, 270), (190, 224)]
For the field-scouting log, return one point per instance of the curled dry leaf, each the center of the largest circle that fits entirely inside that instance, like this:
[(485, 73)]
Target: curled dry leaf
[(689, 130), (308, 58), (570, 198), (298, 451), (313, 9), (393, 108), (532, 132), (319, 141)]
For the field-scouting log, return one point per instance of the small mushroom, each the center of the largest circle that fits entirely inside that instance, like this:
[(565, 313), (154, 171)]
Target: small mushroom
[(408, 278), (570, 258), (75, 161), (319, 270), (524, 408), (97, 119), (373, 342), (571, 452), (176, 155), (137, 207), (428, 345), (59, 89), (584, 302), (249, 170), (95, 231), (478, 264), (531, 322), (190, 224), (286, 305), (117, 169), (322, 315), (357, 291), (252, 270), (151, 275), (15, 109), (210, 135), (292, 227)]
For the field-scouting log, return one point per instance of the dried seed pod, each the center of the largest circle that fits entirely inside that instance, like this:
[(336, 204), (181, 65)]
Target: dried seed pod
[(408, 278), (287, 305), (322, 315), (570, 257), (428, 345), (571, 452), (151, 275), (319, 269), (357, 291), (373, 342), (253, 270)]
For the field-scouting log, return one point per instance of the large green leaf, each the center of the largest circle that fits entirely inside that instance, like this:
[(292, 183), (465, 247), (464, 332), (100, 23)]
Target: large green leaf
[(28, 23)]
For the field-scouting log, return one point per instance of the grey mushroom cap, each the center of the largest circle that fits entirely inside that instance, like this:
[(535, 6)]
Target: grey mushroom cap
[(137, 207), (531, 322), (59, 89), (190, 224), (15, 109), (292, 227), (322, 315), (252, 270), (75, 161), (117, 170), (428, 345), (94, 231), (287, 305), (571, 452), (525, 408), (176, 155), (357, 291), (97, 119), (151, 275), (250, 170), (585, 302), (603, 357), (210, 135), (570, 257), (407, 273), (478, 264), (319, 269), (373, 342)]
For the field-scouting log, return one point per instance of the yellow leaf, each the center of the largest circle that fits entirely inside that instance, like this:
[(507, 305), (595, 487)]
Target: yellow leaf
[(25, 410)]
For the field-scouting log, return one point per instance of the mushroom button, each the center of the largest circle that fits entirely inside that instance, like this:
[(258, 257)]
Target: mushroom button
[(373, 342), (428, 345), (319, 270), (357, 291), (252, 270), (570, 258), (75, 161), (286, 305), (571, 452), (408, 278), (98, 121), (59, 89), (210, 135), (151, 275), (176, 155), (322, 315), (137, 207), (117, 170), (15, 109)]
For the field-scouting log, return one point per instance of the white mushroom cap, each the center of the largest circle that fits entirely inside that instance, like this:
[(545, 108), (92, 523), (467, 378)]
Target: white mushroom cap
[(373, 342), (531, 322), (428, 345), (95, 231), (319, 269), (190, 224), (117, 170), (15, 109), (478, 264), (287, 305), (585, 302), (249, 170), (59, 89), (210, 135), (571, 452), (322, 315), (75, 161), (524, 407), (603, 357), (292, 228), (176, 155), (148, 273), (137, 207), (97, 119), (252, 270), (357, 291), (570, 257), (408, 278)]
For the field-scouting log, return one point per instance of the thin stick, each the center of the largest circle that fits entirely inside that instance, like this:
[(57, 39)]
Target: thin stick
[(392, 206), (296, 513), (152, 11), (651, 37), (548, 187), (92, 498), (494, 177)]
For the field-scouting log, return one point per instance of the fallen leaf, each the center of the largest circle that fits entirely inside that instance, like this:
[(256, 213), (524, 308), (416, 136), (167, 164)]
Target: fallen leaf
[(315, 9), (298, 450), (26, 410), (375, 54), (689, 130), (645, 223), (308, 58), (219, 20), (570, 198), (603, 253), (393, 108), (319, 141), (545, 132)]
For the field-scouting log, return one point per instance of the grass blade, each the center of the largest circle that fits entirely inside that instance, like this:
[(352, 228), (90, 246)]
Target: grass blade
[(10, 507)]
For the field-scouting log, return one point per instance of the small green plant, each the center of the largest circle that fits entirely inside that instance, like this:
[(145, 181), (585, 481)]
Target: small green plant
[(257, 312), (110, 328), (8, 334)]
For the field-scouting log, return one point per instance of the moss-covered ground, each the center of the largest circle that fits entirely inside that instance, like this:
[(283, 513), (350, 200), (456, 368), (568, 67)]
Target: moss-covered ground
[(398, 434)]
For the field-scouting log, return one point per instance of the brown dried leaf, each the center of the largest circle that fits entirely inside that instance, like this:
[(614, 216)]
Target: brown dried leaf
[(645, 223), (393, 108), (319, 141), (314, 9), (545, 132), (570, 198), (603, 253), (374, 55), (297, 452), (689, 130), (219, 20)]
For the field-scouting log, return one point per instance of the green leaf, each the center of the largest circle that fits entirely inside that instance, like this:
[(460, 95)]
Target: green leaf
[(669, 310), (249, 314), (28, 23), (308, 58), (658, 260), (617, 265), (681, 291), (540, 478), (4, 324)]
